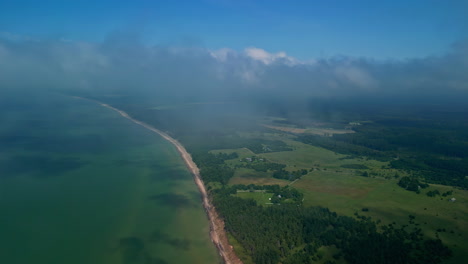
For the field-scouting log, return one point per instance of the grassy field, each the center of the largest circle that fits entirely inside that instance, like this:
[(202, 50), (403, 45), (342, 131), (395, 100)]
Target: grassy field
[(262, 198), (347, 194), (310, 130), (306, 156), (344, 191), (249, 176), (326, 253), (242, 152)]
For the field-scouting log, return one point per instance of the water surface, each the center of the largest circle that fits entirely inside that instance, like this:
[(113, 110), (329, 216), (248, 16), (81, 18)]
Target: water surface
[(81, 184)]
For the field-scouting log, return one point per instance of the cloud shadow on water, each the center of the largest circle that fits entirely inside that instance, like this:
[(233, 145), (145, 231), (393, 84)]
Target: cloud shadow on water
[(170, 199), (41, 166), (133, 251), (180, 244)]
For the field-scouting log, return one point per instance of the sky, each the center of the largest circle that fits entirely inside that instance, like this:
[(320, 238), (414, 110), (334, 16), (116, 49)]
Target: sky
[(304, 29), (228, 48)]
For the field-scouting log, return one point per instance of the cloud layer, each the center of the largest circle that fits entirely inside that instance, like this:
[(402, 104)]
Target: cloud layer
[(122, 64)]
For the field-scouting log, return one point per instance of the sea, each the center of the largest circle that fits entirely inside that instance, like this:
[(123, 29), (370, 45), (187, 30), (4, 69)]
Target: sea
[(80, 184)]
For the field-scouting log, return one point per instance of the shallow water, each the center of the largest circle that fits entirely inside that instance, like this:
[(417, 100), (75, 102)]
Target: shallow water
[(81, 184)]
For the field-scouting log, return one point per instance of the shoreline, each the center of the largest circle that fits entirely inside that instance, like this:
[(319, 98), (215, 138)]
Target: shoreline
[(217, 233)]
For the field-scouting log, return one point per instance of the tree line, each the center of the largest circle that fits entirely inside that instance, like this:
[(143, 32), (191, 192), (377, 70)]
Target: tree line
[(291, 233)]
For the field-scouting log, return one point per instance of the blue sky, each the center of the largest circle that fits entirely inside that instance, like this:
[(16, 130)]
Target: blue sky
[(303, 29)]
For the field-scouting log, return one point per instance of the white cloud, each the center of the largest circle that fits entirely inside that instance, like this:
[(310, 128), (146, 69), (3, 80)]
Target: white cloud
[(269, 58), (132, 65)]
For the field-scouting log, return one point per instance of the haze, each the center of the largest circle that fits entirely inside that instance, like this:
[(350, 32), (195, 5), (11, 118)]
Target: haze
[(195, 51)]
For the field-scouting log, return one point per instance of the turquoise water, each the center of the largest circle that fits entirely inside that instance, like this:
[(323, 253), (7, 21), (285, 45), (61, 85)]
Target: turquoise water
[(80, 184)]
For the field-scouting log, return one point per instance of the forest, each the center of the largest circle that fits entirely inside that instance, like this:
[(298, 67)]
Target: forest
[(436, 152), (289, 232), (292, 233)]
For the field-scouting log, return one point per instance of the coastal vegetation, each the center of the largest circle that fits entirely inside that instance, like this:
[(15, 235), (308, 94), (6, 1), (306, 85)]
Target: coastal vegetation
[(237, 155)]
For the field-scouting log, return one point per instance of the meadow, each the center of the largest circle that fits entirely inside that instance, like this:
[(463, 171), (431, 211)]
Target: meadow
[(330, 184)]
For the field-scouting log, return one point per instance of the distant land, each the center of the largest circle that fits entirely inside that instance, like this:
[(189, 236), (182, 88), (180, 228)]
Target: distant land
[(384, 178)]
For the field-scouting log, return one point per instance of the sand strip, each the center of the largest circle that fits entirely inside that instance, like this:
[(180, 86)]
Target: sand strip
[(217, 233)]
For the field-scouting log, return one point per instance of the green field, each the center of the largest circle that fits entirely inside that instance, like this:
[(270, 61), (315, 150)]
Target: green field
[(306, 156), (249, 176), (344, 191), (262, 198), (386, 201)]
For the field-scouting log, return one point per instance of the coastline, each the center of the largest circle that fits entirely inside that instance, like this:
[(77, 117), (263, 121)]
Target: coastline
[(217, 233)]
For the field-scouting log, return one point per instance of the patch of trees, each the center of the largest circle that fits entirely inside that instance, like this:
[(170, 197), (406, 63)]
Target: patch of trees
[(208, 159), (264, 166), (447, 193), (415, 135), (289, 175), (437, 192), (212, 166), (219, 173), (287, 194), (269, 188), (265, 146), (411, 184), (289, 233), (342, 147), (433, 193), (435, 170)]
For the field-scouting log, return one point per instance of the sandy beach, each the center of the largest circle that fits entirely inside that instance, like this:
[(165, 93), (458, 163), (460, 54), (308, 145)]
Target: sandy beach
[(217, 233)]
